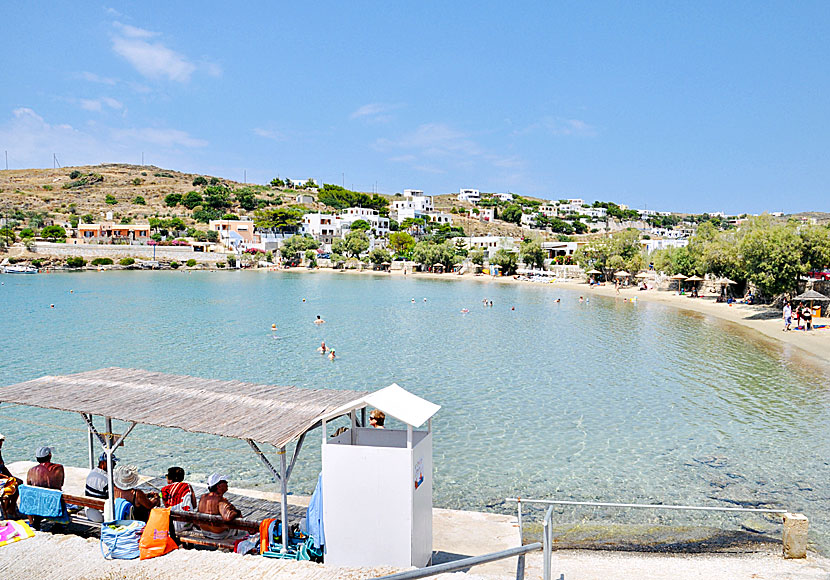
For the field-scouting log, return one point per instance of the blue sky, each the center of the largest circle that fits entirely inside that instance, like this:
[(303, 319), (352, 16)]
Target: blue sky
[(695, 106)]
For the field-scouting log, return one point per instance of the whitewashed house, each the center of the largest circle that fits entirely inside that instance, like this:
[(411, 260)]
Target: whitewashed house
[(470, 195)]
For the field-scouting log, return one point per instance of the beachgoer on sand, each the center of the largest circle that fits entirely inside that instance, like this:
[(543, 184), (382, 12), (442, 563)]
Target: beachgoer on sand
[(44, 474), (787, 315), (215, 503), (126, 480)]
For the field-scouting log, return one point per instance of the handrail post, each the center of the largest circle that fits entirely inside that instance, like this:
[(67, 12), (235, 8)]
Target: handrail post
[(521, 529), (546, 544)]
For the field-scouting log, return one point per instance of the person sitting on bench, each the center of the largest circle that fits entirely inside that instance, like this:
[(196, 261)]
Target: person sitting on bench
[(178, 495), (215, 503)]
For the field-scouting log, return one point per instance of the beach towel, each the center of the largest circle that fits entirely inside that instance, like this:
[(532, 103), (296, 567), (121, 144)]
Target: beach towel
[(14, 530), (40, 501), (123, 509), (314, 515), (178, 496)]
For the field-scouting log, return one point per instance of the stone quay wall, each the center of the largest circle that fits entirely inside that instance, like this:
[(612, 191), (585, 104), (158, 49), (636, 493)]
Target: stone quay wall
[(116, 252)]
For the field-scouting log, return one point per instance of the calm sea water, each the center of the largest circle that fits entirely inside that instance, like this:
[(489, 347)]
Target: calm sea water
[(606, 400)]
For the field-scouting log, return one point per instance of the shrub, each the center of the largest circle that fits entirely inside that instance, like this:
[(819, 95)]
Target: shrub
[(83, 180), (212, 236), (162, 174), (199, 180), (191, 199), (110, 200), (127, 261), (101, 262), (75, 174), (75, 262), (137, 181), (139, 200), (47, 187), (27, 233), (214, 181), (174, 265), (37, 263), (220, 264), (232, 261), (173, 199), (53, 233), (88, 218), (144, 173), (191, 262)]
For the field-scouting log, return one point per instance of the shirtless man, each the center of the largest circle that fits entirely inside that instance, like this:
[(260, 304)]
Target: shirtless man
[(322, 349), (319, 320), (214, 503), (44, 474)]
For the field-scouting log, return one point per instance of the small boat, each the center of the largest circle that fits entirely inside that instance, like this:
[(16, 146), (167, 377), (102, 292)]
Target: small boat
[(15, 269)]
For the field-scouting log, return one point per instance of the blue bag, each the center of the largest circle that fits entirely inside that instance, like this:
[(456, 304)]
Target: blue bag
[(121, 539)]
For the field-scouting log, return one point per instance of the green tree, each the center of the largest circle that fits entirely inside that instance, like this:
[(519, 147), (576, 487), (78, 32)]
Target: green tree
[(205, 214), (379, 256), (173, 199), (75, 262), (53, 233), (199, 181), (138, 200), (217, 197), (246, 198), (477, 256), (127, 261), (191, 262), (773, 256), (110, 200), (88, 218), (73, 222), (532, 254), (356, 243), (279, 219), (598, 253), (295, 245), (361, 226), (7, 236), (401, 243), (277, 182), (508, 262), (212, 236), (512, 213), (191, 199), (27, 233)]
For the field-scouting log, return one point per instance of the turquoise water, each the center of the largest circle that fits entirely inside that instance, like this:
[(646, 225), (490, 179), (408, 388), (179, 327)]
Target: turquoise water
[(605, 400)]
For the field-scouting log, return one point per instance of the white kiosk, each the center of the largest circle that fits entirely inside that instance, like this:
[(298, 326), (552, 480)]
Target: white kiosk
[(377, 485)]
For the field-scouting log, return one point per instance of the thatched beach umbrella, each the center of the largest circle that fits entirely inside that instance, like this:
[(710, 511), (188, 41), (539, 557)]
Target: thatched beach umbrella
[(812, 296), (679, 278), (592, 272), (622, 274), (643, 275)]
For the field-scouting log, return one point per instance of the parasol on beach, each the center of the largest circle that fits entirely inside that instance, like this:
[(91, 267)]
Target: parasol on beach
[(679, 278), (694, 279), (592, 272), (812, 296), (622, 274), (643, 275), (726, 282)]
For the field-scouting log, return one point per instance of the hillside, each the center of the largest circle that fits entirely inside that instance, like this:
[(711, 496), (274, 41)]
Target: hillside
[(53, 194)]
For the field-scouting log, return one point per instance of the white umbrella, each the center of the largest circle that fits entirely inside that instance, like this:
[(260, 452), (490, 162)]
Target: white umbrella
[(622, 274)]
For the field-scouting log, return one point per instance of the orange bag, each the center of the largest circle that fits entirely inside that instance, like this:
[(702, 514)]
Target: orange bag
[(156, 540)]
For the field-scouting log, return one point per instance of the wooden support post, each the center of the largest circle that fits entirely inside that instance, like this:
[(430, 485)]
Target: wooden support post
[(795, 535), (284, 503)]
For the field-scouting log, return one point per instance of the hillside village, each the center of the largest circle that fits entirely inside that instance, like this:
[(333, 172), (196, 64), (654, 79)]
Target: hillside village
[(117, 213)]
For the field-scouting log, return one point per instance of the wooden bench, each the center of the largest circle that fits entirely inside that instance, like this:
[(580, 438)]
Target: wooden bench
[(250, 526)]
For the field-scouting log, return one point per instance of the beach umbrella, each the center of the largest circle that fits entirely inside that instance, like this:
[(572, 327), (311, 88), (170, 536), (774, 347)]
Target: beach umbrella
[(679, 278), (726, 282), (592, 272), (812, 296), (643, 275), (622, 274)]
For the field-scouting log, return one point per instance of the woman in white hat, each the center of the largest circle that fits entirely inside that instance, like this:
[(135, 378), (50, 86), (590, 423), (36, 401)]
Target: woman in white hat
[(126, 480)]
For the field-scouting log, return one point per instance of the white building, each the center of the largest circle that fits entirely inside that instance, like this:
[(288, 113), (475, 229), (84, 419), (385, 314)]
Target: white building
[(661, 244), (595, 212), (504, 196), (554, 249), (573, 206), (471, 195), (323, 227), (302, 183), (484, 214), (380, 224), (413, 193), (414, 206), (304, 198), (491, 244), (438, 217), (528, 220), (549, 210)]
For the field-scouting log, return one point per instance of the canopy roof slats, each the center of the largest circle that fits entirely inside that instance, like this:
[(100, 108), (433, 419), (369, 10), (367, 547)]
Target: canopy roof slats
[(265, 413)]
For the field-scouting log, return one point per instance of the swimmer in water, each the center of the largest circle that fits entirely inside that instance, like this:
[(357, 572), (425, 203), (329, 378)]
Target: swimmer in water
[(319, 320), (413, 301), (464, 310), (425, 299), (322, 348), (331, 355), (581, 299), (558, 300)]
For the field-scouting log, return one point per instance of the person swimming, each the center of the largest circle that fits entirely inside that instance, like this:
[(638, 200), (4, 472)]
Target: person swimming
[(319, 320), (322, 349), (465, 310), (331, 355)]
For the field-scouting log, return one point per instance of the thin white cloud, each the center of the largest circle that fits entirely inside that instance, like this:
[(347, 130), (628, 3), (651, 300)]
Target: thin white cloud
[(162, 137), (374, 112), (98, 105), (94, 78), (269, 134), (32, 140), (154, 59), (561, 127)]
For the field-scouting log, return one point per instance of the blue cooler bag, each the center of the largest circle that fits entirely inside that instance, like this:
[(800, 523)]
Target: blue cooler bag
[(120, 538)]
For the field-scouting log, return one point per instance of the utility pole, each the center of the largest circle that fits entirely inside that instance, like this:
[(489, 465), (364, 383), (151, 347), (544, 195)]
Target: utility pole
[(245, 176), (343, 183), (7, 159), (142, 158)]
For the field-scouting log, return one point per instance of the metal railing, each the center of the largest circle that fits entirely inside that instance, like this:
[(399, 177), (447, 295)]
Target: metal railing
[(547, 527)]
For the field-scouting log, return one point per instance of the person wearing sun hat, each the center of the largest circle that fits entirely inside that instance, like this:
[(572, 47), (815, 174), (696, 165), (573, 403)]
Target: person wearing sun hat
[(125, 478), (215, 503)]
